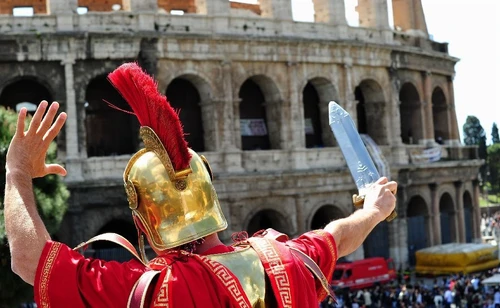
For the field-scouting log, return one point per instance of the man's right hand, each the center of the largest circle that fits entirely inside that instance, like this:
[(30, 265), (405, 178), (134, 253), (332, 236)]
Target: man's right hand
[(27, 150), (381, 197)]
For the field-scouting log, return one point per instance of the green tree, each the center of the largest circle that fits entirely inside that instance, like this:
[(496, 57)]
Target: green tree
[(494, 134), (494, 167), (50, 194), (474, 134), (473, 131)]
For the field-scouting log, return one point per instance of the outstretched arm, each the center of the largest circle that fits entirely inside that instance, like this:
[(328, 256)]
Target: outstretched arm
[(25, 161), (350, 232)]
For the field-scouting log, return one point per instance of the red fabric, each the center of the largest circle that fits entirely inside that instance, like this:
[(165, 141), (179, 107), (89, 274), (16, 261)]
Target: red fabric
[(292, 282), (64, 277), (192, 284), (320, 246)]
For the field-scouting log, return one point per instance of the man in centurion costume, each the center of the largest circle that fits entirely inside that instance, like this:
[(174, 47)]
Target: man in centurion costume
[(173, 202)]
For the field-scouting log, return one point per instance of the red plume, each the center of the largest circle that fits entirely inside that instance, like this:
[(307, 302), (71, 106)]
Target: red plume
[(153, 110)]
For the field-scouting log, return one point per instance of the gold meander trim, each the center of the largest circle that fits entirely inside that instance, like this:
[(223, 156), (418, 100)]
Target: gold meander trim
[(331, 246), (44, 276)]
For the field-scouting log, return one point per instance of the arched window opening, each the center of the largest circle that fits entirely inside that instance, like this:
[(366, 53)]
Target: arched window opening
[(26, 92), (184, 97), (109, 131), (411, 117), (417, 222), (312, 120), (440, 116), (447, 214), (267, 219), (253, 118), (324, 215)]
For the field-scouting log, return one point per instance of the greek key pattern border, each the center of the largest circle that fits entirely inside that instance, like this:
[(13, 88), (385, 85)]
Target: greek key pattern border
[(44, 276), (163, 299), (276, 269), (229, 281)]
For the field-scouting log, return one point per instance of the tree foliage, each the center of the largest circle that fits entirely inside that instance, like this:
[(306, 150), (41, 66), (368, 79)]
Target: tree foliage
[(494, 166), (50, 195), (473, 131), (474, 134), (494, 134)]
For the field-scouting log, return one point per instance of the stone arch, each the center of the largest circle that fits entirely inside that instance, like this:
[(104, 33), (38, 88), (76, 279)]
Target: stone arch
[(15, 92), (324, 215), (109, 251), (377, 242), (316, 94), (268, 218), (108, 131), (448, 217), (468, 217), (370, 110), (188, 94), (412, 128), (440, 115), (260, 114), (417, 219)]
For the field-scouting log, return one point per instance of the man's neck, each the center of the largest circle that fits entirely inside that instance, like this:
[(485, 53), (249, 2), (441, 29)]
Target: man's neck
[(210, 242)]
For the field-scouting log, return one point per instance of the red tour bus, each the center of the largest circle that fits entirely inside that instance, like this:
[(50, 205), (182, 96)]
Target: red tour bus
[(363, 273)]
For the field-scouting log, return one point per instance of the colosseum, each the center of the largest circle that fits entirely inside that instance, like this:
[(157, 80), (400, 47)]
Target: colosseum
[(253, 87)]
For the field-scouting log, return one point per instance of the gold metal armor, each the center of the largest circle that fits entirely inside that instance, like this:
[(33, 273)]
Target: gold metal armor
[(247, 267), (171, 207)]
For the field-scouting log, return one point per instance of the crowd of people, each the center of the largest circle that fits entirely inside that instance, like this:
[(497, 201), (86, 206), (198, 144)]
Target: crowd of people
[(465, 291)]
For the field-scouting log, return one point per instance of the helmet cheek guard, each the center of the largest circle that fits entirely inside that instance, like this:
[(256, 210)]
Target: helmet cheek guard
[(171, 207)]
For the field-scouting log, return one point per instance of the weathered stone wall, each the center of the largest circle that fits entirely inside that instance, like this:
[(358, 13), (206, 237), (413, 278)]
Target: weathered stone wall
[(217, 52)]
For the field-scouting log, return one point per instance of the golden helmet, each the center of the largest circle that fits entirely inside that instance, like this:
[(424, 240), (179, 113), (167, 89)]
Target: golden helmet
[(169, 186)]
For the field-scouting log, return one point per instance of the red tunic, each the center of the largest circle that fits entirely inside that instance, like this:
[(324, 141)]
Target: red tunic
[(64, 278)]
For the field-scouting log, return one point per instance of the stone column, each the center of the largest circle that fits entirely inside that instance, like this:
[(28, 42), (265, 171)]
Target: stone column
[(73, 160), (219, 10), (64, 11), (146, 9), (373, 14), (326, 132), (213, 7), (429, 118), (301, 220), (228, 141), (330, 12), (296, 135), (141, 6), (294, 121), (224, 126), (459, 188), (276, 9), (477, 212), (435, 226), (398, 230), (210, 118), (395, 132), (454, 133), (275, 124), (236, 121), (349, 103)]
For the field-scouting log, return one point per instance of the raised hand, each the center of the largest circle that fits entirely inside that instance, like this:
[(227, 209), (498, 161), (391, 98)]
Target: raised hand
[(28, 150), (382, 197)]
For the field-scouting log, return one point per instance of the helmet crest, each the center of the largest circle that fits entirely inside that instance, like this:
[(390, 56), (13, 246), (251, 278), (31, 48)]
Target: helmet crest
[(152, 110)]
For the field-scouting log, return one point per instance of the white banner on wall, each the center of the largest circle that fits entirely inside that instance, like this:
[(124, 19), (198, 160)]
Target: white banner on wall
[(253, 127)]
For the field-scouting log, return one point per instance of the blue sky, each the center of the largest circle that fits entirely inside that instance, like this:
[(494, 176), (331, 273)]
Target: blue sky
[(472, 29)]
